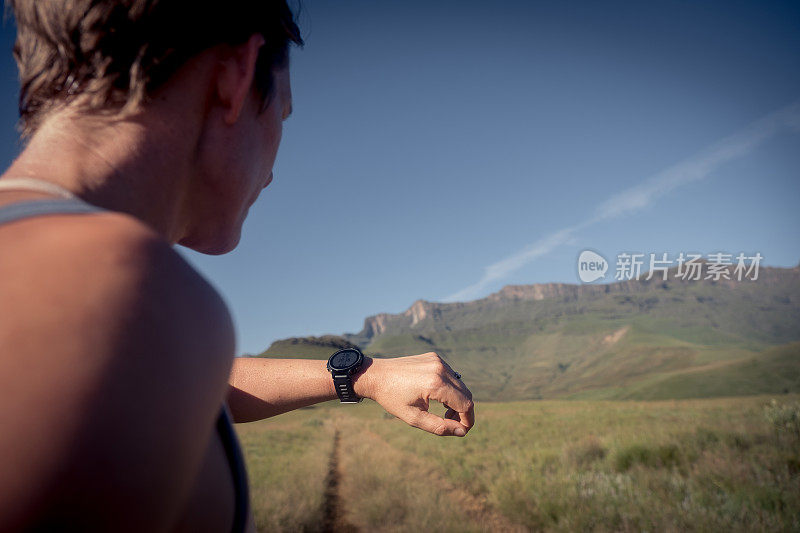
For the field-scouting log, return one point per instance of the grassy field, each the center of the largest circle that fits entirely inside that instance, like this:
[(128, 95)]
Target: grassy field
[(699, 465)]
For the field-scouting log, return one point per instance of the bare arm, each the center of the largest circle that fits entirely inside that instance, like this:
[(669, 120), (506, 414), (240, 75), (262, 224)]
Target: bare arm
[(404, 386), (262, 388)]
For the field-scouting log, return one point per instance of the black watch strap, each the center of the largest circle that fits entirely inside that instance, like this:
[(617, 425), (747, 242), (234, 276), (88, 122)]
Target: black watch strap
[(344, 387)]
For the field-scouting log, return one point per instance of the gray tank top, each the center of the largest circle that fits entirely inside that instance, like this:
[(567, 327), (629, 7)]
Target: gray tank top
[(58, 206), (74, 206)]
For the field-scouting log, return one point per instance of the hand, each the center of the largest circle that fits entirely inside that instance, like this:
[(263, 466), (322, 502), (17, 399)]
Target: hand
[(404, 387)]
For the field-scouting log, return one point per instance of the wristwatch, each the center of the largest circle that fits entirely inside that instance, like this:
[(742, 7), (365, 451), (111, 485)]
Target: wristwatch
[(342, 365)]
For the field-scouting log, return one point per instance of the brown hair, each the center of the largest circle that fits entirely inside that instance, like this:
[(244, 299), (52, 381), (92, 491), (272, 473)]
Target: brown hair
[(113, 54)]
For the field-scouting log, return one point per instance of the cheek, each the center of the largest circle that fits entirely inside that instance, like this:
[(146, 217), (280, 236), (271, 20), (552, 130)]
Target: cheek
[(226, 157), (276, 141), (251, 163), (269, 146)]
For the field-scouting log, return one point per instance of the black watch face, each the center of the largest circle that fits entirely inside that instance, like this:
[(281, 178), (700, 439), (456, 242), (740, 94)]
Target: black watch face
[(344, 359)]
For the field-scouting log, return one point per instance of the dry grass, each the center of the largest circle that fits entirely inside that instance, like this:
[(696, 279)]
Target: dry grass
[(287, 462), (698, 465)]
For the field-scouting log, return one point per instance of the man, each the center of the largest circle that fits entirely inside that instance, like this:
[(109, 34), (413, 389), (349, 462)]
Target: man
[(148, 124)]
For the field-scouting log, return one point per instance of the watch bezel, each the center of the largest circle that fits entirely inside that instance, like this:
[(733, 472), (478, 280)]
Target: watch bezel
[(348, 369)]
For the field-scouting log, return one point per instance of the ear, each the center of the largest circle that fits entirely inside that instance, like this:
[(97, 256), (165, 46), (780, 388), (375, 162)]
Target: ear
[(235, 76)]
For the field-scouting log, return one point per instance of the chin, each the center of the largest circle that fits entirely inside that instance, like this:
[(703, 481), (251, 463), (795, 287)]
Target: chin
[(216, 245)]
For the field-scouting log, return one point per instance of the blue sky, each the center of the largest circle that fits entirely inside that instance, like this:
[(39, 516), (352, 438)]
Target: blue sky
[(433, 140)]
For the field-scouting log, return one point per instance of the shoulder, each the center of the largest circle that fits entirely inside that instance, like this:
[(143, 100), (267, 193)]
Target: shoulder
[(108, 263), (117, 353), (108, 280)]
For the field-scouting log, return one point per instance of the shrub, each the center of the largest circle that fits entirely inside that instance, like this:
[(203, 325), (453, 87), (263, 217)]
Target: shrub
[(784, 418), (585, 452), (705, 438), (666, 456)]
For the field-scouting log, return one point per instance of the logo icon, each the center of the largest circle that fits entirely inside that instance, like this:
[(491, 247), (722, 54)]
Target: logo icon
[(591, 266)]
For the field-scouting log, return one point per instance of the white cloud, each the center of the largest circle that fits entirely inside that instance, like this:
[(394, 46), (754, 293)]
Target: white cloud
[(501, 269), (701, 165), (643, 195)]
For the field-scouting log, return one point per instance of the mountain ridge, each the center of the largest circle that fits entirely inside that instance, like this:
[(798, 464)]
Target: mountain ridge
[(378, 324), (642, 339)]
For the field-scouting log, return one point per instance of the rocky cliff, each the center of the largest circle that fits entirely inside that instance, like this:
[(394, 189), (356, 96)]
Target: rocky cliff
[(422, 311)]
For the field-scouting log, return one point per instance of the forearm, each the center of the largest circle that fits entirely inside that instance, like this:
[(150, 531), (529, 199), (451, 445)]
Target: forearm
[(261, 387), (404, 386)]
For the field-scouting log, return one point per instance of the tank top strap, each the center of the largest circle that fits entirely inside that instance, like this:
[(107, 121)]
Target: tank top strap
[(55, 206)]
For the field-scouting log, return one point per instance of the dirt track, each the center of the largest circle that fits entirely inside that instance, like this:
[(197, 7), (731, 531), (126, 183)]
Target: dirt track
[(333, 514)]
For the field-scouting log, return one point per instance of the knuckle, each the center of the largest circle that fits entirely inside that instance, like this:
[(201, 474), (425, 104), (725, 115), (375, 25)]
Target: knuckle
[(434, 382), (437, 364), (440, 430)]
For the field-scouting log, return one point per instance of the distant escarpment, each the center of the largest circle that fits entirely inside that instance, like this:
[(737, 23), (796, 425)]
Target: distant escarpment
[(425, 315), (640, 339)]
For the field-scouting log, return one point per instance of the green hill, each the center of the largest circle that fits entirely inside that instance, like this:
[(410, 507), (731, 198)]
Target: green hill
[(306, 347), (627, 340), (775, 371)]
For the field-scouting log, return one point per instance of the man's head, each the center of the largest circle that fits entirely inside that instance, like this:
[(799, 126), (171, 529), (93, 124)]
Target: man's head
[(210, 74)]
